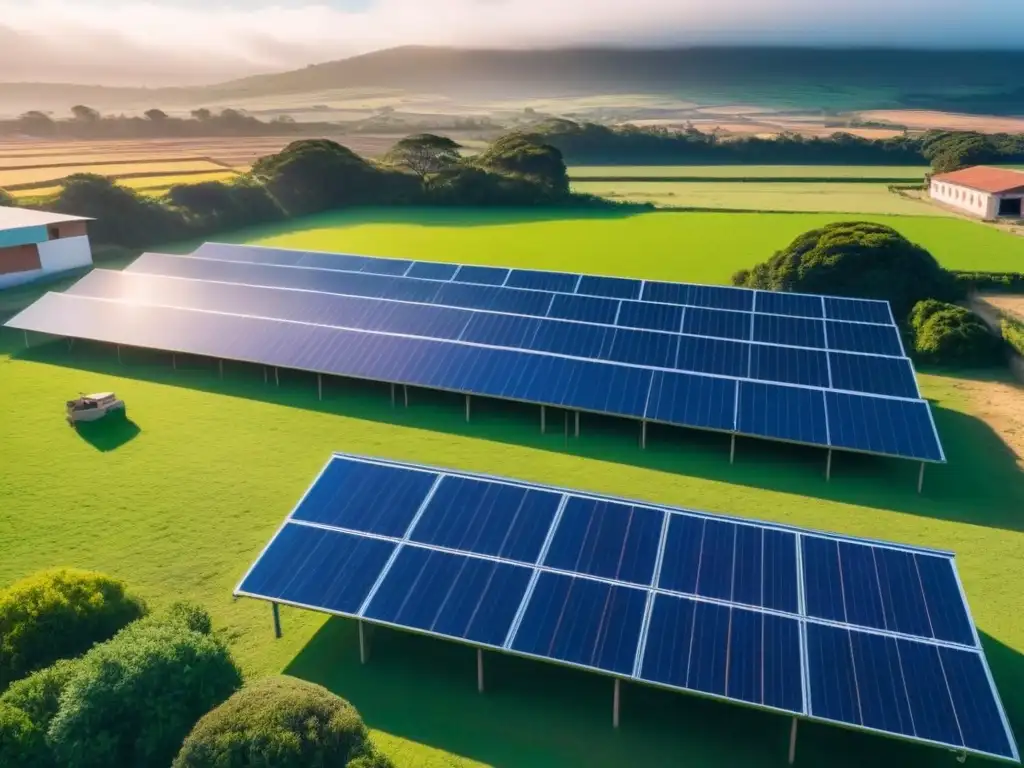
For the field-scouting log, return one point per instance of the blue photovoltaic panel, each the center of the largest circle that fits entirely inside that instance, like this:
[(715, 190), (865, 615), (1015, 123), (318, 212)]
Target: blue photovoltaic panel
[(559, 282), (653, 317), (897, 655), (716, 356), (386, 267), (584, 622), (884, 588), (858, 310), (481, 275), (648, 348), (871, 373), (789, 365), (368, 497), (904, 687), (453, 595), (778, 412), (723, 651), (250, 254), (506, 521), (432, 271), (882, 425), (513, 331), (712, 296), (575, 339), (601, 538), (489, 297), (864, 337), (796, 304), (688, 399), (791, 331), (322, 569), (610, 287), (335, 261), (718, 323), (588, 309)]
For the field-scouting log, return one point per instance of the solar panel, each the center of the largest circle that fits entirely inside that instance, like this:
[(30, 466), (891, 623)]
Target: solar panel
[(867, 634), (711, 296), (563, 364)]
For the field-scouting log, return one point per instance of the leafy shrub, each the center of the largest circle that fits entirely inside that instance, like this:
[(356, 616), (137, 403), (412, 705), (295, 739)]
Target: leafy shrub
[(6, 198), (184, 614), (858, 259), (59, 614), (38, 695), (946, 334), (22, 743), (991, 281), (283, 722), (132, 700), (1013, 333)]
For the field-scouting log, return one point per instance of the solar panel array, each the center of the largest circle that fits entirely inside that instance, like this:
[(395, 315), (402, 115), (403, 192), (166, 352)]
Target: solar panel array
[(869, 635), (724, 361)]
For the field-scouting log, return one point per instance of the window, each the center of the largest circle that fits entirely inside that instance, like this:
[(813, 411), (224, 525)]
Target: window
[(53, 232)]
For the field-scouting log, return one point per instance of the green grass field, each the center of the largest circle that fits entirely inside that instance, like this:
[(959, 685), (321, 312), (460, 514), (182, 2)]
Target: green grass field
[(906, 173), (705, 247), (809, 197), (182, 498)]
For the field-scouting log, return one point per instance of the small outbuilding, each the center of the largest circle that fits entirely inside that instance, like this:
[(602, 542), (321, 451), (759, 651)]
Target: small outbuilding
[(36, 244), (982, 191)]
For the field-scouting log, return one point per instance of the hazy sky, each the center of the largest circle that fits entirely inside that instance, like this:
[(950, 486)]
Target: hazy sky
[(155, 42)]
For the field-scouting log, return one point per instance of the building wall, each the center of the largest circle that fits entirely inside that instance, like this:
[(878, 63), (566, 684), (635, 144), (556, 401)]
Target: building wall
[(970, 201), (22, 236), (19, 258), (67, 229)]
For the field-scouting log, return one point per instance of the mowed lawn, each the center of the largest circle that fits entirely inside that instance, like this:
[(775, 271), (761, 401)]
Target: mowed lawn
[(181, 501), (705, 247), (906, 173), (802, 196)]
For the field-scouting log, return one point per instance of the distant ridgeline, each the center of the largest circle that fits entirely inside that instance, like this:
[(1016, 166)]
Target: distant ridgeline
[(592, 144)]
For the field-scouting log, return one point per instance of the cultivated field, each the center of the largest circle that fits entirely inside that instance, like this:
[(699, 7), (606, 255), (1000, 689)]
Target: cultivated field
[(801, 196), (190, 493), (822, 173)]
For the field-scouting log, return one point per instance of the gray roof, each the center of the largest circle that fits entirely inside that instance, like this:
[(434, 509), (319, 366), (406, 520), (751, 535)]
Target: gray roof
[(15, 218)]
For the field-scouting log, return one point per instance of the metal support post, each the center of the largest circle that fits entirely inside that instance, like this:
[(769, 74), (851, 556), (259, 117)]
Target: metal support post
[(319, 387), (71, 343), (732, 450), (792, 742), (643, 433), (220, 368), (828, 466), (543, 415), (480, 670), (26, 339), (405, 394), (277, 619), (362, 644), (174, 361), (118, 354), (615, 705), (277, 378), (392, 395), (467, 407), (265, 374), (920, 478), (577, 423)]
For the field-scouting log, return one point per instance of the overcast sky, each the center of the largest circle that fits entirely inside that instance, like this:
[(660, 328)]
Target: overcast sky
[(157, 42)]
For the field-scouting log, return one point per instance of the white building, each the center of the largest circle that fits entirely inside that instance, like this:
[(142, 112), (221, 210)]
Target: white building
[(981, 191), (35, 244)]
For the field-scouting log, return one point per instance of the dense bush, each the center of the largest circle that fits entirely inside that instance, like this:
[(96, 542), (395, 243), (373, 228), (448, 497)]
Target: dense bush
[(945, 334), (1013, 333), (991, 281), (133, 699), (281, 722), (59, 614), (859, 259), (38, 695), (22, 743), (5, 198)]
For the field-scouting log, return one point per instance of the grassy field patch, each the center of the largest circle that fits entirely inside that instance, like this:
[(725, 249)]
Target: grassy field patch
[(706, 247), (32, 175), (757, 196), (686, 172)]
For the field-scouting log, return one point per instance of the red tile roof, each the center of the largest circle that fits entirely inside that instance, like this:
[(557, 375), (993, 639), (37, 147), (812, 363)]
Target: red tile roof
[(985, 179)]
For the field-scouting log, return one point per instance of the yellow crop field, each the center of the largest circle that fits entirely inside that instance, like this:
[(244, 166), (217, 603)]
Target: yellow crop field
[(31, 175), (153, 186)]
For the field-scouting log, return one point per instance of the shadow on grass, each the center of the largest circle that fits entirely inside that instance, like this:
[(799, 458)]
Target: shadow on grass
[(422, 217), (539, 715), (980, 485), (108, 433)]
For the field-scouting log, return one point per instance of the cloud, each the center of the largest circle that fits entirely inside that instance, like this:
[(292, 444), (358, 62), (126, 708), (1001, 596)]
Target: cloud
[(154, 43)]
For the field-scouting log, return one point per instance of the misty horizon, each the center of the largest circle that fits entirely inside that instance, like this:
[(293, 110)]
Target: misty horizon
[(159, 43)]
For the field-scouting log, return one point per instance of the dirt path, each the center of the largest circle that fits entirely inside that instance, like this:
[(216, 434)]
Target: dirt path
[(1000, 405)]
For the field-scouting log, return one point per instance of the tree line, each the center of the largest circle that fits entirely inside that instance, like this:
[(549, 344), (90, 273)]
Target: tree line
[(593, 144), (311, 176)]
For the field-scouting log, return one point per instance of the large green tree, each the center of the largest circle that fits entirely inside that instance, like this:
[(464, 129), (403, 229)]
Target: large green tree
[(522, 155), (425, 154), (855, 258)]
